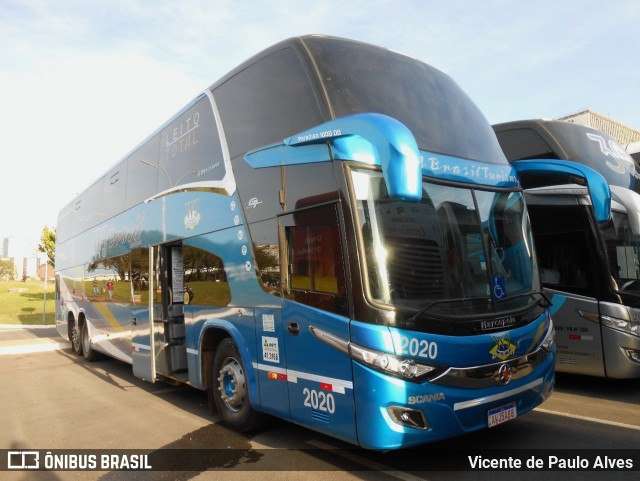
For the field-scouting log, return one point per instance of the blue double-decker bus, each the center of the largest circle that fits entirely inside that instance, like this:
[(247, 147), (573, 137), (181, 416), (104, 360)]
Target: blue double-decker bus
[(331, 235)]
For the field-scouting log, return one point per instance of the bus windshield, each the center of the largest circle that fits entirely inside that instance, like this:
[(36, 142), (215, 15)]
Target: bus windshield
[(440, 115), (623, 250), (464, 251)]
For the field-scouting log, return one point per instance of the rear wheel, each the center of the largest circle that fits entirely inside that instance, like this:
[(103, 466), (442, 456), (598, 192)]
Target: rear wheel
[(74, 334), (230, 389), (87, 350)]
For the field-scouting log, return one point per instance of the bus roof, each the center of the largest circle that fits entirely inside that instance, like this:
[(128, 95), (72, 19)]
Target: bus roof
[(554, 139), (298, 84)]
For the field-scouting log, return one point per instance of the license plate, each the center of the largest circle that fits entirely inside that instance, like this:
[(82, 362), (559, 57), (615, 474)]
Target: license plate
[(501, 414)]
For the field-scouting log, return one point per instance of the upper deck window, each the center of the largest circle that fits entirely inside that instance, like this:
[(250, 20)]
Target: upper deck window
[(362, 78), (267, 102)]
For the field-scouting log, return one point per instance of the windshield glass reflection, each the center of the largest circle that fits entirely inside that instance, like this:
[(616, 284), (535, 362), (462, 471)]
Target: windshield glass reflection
[(623, 250), (457, 250)]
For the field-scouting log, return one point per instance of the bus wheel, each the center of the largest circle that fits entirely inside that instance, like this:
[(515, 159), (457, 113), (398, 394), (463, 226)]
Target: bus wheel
[(230, 390), (88, 352), (76, 342)]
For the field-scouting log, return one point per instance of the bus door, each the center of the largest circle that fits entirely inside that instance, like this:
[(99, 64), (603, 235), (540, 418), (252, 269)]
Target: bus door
[(168, 315), (141, 327), (315, 322), (158, 342), (566, 248)]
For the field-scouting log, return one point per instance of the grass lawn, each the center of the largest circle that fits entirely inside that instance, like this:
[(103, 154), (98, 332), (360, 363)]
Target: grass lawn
[(22, 302)]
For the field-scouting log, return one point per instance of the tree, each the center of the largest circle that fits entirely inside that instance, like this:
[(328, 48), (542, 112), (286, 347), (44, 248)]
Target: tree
[(7, 270), (48, 244)]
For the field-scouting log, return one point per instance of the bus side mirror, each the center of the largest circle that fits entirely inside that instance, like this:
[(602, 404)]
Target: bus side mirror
[(373, 139), (574, 173)]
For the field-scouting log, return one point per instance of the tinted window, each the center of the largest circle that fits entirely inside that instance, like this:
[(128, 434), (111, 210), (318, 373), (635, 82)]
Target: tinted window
[(266, 249), (108, 280), (139, 276), (115, 185), (66, 226), (190, 150), (309, 184), (259, 191), (91, 205), (363, 78), (142, 172), (72, 278), (562, 237), (521, 144), (205, 278), (316, 264), (266, 102)]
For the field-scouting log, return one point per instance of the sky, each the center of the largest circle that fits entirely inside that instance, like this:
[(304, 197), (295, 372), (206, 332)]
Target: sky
[(82, 82)]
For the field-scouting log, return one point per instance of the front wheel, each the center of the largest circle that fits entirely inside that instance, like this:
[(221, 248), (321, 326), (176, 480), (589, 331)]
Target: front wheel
[(230, 389)]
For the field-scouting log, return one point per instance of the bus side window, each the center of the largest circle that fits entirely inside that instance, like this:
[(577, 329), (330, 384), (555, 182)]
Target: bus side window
[(266, 248), (139, 277), (108, 280), (316, 275), (205, 280), (266, 102), (561, 236)]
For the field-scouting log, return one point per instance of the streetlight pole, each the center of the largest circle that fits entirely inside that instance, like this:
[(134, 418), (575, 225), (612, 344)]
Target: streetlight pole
[(44, 306)]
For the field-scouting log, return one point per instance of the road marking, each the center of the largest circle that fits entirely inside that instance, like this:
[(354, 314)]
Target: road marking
[(29, 348), (387, 470), (585, 418)]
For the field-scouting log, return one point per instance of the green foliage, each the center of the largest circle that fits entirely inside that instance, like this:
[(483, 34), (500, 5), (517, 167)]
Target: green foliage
[(48, 244), (7, 270)]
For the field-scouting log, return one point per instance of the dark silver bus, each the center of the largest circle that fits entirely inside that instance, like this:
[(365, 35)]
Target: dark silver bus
[(589, 267)]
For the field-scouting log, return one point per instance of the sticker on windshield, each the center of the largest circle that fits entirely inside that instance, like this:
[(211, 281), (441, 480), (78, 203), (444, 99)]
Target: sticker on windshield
[(499, 289)]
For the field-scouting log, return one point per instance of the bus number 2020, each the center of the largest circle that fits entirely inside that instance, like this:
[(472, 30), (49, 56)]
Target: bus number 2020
[(417, 347), (319, 400)]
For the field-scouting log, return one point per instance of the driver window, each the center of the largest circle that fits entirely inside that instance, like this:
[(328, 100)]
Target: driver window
[(561, 236), (316, 274)]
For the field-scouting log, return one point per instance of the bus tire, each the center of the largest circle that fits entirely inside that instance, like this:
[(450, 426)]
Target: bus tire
[(231, 391), (76, 342), (87, 350)]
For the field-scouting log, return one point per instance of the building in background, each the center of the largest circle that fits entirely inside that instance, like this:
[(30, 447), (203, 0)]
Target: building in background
[(626, 136), (28, 262)]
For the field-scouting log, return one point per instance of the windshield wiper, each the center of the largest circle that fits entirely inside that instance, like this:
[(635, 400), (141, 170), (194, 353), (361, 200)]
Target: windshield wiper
[(424, 309), (531, 294)]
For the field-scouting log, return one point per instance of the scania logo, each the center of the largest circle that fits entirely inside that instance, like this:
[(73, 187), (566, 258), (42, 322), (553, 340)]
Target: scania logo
[(504, 375), (427, 398)]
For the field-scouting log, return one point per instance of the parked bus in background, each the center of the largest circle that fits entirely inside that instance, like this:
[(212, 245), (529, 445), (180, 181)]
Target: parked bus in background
[(633, 150), (589, 263), (330, 234)]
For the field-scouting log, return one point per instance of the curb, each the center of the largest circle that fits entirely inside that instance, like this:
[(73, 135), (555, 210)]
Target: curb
[(27, 326)]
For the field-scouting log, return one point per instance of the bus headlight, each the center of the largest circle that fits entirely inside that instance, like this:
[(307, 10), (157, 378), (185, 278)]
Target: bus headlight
[(549, 338), (390, 364), (630, 327)]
